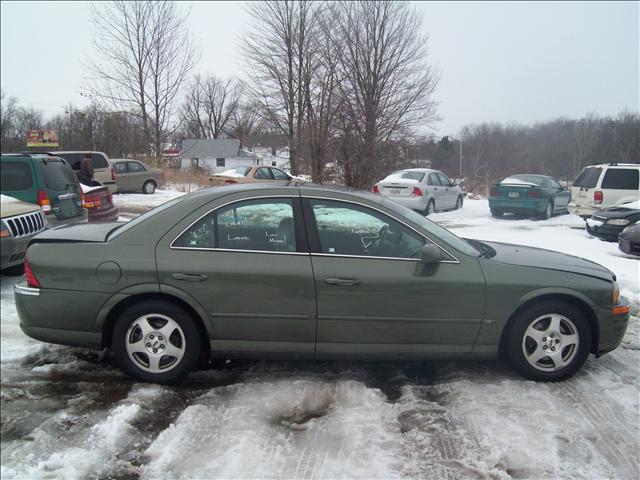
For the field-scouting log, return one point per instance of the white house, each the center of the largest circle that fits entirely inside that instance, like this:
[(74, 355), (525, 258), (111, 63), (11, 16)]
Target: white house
[(216, 155)]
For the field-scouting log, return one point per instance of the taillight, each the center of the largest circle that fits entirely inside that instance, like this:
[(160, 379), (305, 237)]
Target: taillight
[(229, 182), (44, 202), (32, 281), (533, 193), (598, 196), (375, 189), (416, 192), (91, 201), (495, 192), (113, 174)]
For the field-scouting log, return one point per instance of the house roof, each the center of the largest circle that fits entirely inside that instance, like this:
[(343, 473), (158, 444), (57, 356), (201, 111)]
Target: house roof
[(206, 148)]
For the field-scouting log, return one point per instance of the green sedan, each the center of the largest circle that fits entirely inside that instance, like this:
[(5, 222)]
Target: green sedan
[(310, 272), (528, 194)]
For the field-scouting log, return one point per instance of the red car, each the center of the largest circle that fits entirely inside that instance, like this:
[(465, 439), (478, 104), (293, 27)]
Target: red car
[(99, 203)]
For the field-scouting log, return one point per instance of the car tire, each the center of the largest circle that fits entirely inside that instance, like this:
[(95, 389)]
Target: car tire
[(156, 341), (549, 341), (496, 213), (149, 187), (548, 211), (431, 207)]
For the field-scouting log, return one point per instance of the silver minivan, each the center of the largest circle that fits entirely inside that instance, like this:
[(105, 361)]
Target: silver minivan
[(104, 172), (422, 189)]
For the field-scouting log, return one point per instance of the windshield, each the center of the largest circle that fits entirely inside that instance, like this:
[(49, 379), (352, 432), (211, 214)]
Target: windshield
[(523, 180), (236, 172), (436, 230), (144, 217), (417, 176)]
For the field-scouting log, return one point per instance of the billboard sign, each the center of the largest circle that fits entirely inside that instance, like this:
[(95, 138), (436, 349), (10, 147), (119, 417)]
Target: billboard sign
[(42, 138)]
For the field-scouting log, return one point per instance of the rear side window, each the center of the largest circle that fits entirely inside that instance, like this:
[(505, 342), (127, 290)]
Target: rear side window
[(57, 175), (588, 178), (621, 179), (15, 176), (72, 159)]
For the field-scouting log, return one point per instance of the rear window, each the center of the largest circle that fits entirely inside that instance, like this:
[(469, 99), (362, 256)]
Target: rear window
[(588, 178), (57, 176), (237, 172), (621, 179), (15, 176), (418, 176), (523, 180)]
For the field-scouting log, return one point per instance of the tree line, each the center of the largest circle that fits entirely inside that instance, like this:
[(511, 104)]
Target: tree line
[(347, 86)]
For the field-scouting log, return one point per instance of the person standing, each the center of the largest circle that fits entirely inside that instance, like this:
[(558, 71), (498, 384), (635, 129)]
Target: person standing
[(85, 174)]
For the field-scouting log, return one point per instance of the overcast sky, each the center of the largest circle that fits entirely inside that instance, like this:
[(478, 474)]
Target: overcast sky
[(503, 62)]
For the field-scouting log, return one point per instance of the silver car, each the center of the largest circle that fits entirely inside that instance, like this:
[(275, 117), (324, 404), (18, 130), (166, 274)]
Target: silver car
[(421, 189), (136, 176)]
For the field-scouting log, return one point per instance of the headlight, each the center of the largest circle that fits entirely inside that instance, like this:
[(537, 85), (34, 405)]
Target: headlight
[(618, 221), (4, 231), (616, 293)]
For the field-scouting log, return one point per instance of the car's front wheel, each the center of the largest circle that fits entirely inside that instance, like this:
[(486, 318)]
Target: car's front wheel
[(149, 187), (549, 341), (156, 341), (459, 202)]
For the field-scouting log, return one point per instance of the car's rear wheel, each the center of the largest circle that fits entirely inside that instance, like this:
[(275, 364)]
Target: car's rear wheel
[(156, 341), (431, 207), (149, 187), (459, 202), (548, 211), (549, 341), (496, 213)]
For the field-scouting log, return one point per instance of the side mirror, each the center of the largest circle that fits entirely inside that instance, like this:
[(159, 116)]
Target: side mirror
[(562, 189), (430, 254)]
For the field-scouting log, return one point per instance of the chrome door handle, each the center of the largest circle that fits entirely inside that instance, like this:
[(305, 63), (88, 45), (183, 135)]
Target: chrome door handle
[(189, 277), (342, 282)]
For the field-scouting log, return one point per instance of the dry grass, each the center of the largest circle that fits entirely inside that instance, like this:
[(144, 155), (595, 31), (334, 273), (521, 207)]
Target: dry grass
[(186, 180)]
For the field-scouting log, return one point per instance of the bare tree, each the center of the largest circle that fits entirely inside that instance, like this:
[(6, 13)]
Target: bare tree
[(385, 81), (8, 112), (210, 106), (276, 53), (144, 53), (246, 121)]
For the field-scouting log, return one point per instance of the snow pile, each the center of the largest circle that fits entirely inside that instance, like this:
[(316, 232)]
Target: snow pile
[(141, 202)]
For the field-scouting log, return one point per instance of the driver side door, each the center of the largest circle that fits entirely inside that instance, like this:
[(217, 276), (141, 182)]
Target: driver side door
[(375, 296)]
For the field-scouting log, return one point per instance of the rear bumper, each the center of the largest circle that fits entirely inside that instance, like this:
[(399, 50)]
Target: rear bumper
[(59, 316), (524, 205), (108, 215), (54, 221), (414, 203), (584, 211), (612, 328), (12, 251)]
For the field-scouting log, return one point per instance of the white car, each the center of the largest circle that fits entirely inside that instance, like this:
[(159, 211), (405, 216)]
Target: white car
[(421, 189), (602, 186)]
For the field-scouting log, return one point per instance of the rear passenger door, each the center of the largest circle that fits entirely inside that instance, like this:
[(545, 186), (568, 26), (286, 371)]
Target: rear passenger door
[(247, 263)]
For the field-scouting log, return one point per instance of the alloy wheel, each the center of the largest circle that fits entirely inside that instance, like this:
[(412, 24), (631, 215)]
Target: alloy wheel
[(155, 343), (551, 342)]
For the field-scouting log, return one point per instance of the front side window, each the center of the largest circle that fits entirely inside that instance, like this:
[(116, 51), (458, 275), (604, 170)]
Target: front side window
[(263, 174), (349, 229), (444, 180), (279, 174), (135, 167), (219, 162), (621, 179), (554, 183), (261, 225)]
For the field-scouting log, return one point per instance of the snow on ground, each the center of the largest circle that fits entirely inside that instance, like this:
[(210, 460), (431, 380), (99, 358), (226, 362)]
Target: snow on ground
[(69, 413)]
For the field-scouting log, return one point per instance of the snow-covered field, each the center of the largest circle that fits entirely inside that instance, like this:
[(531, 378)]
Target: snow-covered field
[(68, 413)]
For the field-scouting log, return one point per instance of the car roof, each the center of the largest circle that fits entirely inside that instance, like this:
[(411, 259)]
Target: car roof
[(614, 164), (421, 170), (76, 151)]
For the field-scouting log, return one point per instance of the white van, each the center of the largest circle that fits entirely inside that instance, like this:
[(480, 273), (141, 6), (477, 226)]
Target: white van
[(603, 186)]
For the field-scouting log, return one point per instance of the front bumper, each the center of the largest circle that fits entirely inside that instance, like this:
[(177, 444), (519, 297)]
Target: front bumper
[(60, 316), (603, 230), (12, 251), (612, 327), (626, 245)]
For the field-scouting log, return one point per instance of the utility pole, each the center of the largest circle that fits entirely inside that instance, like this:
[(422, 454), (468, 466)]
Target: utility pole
[(460, 158)]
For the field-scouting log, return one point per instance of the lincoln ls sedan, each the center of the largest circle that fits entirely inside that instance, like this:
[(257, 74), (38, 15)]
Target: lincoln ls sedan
[(314, 272)]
